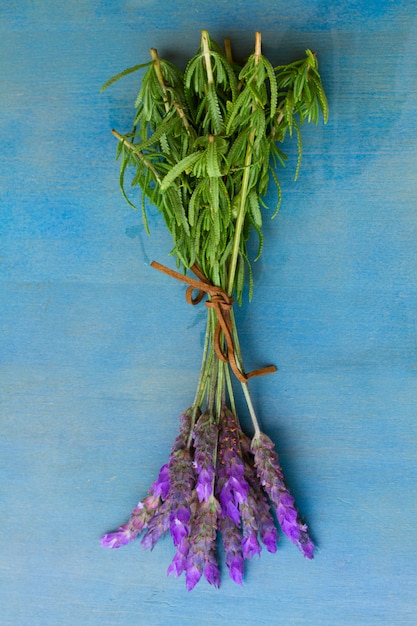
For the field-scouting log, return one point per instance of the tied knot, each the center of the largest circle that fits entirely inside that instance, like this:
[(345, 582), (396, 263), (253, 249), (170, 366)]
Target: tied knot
[(222, 304), (220, 301)]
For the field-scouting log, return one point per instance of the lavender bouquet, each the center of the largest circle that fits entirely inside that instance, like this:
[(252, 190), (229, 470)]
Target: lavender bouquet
[(203, 149)]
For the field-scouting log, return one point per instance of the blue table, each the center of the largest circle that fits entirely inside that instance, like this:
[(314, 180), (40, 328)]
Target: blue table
[(100, 354)]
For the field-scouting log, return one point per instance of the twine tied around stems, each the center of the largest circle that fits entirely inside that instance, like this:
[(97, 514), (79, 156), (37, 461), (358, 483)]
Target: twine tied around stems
[(222, 303)]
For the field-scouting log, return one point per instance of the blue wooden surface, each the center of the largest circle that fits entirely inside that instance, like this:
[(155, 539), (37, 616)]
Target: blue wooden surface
[(99, 355)]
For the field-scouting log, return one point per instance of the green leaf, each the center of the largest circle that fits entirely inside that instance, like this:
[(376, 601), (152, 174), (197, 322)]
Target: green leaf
[(163, 129), (254, 208), (214, 111), (237, 152), (300, 148), (278, 186), (193, 205), (125, 72), (185, 163), (213, 167), (173, 199), (322, 96), (273, 87), (214, 194)]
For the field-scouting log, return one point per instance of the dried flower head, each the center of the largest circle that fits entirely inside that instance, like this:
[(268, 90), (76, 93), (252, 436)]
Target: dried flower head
[(270, 474)]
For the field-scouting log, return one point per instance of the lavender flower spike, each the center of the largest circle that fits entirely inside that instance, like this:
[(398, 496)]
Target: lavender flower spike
[(141, 515), (201, 557), (270, 474), (232, 542), (258, 500), (232, 488), (182, 481), (205, 436)]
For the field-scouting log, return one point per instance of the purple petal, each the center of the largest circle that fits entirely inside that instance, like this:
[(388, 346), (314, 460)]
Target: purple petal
[(233, 512), (250, 546), (204, 491), (177, 565), (236, 569), (192, 576), (182, 515), (212, 574), (269, 539), (179, 526), (307, 549), (161, 486), (180, 559), (117, 539), (178, 531)]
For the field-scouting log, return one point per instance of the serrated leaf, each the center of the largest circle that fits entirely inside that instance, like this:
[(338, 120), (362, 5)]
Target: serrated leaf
[(193, 204), (273, 87), (278, 186), (213, 168), (300, 148), (175, 202), (254, 208), (163, 129), (185, 163), (214, 111), (322, 96), (125, 72), (214, 194)]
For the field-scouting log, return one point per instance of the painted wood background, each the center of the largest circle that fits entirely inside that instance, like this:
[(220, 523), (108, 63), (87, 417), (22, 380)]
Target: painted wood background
[(99, 355)]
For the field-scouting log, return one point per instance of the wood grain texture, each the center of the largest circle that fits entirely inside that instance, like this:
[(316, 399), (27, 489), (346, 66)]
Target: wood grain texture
[(99, 355)]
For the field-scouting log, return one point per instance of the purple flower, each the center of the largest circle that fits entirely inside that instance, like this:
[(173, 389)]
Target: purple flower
[(201, 557), (181, 440), (211, 573), (138, 520), (232, 542), (271, 477), (204, 486), (232, 488), (161, 486), (250, 543), (179, 562), (193, 574), (157, 526), (182, 481), (258, 501), (148, 512), (117, 539), (205, 446), (292, 526), (269, 538), (250, 546), (179, 524), (235, 565)]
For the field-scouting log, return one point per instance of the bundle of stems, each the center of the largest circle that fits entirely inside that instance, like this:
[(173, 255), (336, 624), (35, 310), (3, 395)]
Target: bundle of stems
[(204, 148)]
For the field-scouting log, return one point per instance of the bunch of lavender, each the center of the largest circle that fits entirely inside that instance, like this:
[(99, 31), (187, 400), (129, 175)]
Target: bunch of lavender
[(216, 479), (203, 148)]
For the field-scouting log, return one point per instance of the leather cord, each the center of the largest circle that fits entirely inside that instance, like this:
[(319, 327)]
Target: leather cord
[(222, 304)]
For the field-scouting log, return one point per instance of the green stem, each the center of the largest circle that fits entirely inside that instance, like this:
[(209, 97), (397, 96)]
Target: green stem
[(240, 220), (207, 56), (160, 77), (137, 153), (251, 409), (215, 375), (201, 382), (230, 390), (245, 387)]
